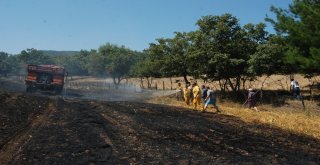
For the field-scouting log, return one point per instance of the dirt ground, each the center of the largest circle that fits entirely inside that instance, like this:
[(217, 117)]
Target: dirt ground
[(47, 129)]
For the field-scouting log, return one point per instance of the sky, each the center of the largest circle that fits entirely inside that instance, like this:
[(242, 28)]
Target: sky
[(87, 24)]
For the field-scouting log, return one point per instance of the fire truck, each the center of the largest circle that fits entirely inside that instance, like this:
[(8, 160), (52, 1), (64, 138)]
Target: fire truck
[(45, 77)]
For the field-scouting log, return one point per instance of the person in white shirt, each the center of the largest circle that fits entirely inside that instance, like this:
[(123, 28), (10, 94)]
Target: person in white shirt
[(295, 88), (211, 99)]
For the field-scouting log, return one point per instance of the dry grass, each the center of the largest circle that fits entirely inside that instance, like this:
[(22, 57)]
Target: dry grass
[(290, 117)]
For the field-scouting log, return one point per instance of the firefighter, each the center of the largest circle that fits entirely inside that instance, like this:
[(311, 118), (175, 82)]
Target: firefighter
[(186, 93), (197, 97)]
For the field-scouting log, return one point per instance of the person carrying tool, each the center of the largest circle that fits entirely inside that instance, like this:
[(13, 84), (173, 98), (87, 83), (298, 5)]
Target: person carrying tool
[(251, 100), (197, 97)]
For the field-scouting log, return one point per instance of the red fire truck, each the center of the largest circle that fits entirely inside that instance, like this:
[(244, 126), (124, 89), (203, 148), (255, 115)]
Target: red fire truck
[(45, 77)]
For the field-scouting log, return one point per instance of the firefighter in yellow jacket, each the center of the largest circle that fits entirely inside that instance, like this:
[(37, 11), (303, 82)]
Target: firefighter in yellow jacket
[(197, 97), (186, 93)]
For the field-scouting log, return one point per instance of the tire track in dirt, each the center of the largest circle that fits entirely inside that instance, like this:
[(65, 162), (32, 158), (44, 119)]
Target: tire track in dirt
[(13, 145), (72, 134), (77, 131)]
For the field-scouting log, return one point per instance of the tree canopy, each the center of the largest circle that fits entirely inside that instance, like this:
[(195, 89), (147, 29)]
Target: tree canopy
[(219, 49), (299, 27)]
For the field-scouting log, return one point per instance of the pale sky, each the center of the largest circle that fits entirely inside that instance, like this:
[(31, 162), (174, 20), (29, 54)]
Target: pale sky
[(88, 24)]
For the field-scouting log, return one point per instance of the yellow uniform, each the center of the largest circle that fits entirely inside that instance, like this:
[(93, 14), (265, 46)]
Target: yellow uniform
[(197, 97), (186, 95)]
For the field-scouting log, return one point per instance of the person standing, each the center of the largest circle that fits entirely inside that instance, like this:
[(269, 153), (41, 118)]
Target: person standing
[(179, 93), (295, 88), (252, 100), (204, 91), (190, 91), (197, 97), (186, 94), (211, 99)]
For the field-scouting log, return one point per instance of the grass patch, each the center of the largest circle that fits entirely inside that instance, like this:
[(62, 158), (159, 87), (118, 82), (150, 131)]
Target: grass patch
[(290, 117)]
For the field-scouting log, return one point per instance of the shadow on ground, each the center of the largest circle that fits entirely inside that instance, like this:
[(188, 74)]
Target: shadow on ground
[(84, 132)]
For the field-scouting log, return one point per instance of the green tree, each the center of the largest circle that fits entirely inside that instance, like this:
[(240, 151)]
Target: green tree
[(176, 61), (221, 48), (14, 65), (34, 56), (171, 54), (299, 28), (96, 65), (268, 59), (118, 61), (71, 64), (4, 65), (31, 56)]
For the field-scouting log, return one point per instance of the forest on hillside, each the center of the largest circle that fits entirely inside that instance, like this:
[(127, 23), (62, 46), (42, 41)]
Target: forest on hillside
[(220, 49)]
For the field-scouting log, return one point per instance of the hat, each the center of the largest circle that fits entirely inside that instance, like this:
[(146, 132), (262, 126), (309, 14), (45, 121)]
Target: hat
[(250, 89)]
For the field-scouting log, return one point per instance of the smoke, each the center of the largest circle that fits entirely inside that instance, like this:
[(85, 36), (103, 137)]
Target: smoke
[(12, 83), (108, 91), (97, 89)]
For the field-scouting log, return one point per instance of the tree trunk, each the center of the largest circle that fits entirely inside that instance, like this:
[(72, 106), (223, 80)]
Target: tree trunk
[(221, 86), (237, 86), (148, 82), (163, 87), (231, 85), (185, 79), (225, 85), (141, 82), (261, 88), (114, 80), (244, 80)]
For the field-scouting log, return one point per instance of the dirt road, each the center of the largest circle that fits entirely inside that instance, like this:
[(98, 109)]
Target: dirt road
[(51, 130)]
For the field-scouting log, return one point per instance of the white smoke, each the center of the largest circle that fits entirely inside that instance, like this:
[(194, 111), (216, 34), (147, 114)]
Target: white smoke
[(107, 91)]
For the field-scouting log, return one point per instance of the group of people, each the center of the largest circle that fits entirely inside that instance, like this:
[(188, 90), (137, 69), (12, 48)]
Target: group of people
[(204, 96), (199, 97)]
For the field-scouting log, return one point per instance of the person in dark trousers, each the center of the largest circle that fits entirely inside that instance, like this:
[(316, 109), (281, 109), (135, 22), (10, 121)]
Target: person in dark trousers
[(211, 99), (295, 89), (252, 100), (204, 91)]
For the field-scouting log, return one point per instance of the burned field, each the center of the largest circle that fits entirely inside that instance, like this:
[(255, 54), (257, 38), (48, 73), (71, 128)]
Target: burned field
[(52, 130)]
